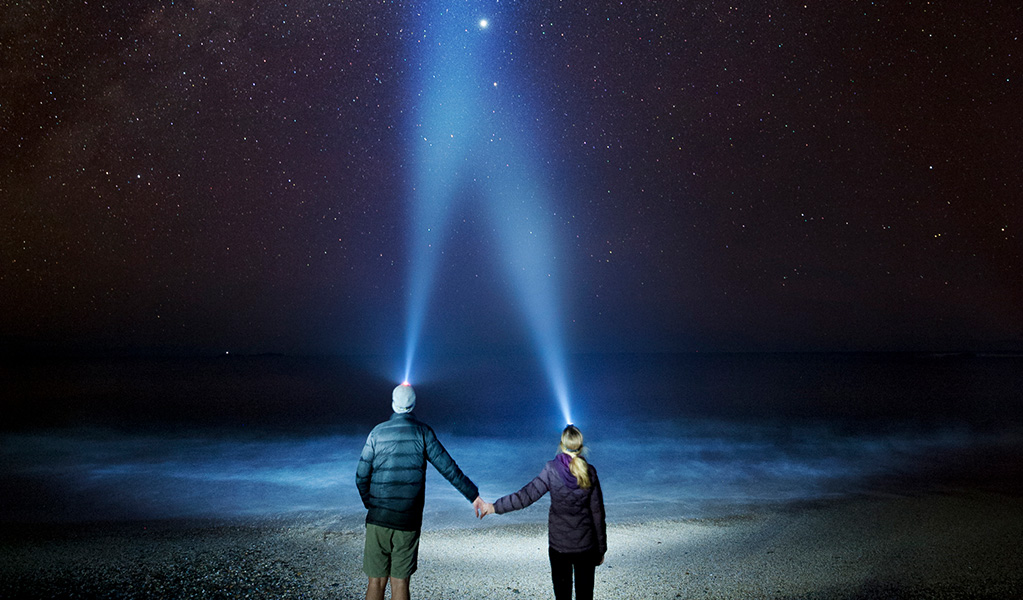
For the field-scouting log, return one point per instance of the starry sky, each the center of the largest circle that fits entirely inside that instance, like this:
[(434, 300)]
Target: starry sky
[(214, 176)]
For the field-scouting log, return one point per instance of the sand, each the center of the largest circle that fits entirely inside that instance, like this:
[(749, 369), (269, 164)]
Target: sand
[(953, 545)]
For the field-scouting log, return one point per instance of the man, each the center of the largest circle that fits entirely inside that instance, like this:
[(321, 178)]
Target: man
[(392, 482)]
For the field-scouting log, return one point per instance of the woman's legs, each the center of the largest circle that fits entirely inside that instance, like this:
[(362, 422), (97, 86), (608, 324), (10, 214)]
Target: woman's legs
[(585, 565), (563, 564), (561, 574)]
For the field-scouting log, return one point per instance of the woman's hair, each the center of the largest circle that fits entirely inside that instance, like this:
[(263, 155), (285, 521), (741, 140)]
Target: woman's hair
[(572, 445)]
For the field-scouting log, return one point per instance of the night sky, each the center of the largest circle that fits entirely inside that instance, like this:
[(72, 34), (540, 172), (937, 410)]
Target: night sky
[(214, 176)]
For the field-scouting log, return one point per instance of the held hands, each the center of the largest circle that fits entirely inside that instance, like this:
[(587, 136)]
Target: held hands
[(482, 508)]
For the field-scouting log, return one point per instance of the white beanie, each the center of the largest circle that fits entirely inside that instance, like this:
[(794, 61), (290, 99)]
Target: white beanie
[(403, 399)]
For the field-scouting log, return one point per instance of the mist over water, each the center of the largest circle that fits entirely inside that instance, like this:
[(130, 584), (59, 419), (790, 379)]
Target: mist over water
[(670, 436)]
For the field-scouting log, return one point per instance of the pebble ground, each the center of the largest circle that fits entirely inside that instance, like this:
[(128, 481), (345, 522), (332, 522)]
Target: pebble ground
[(956, 545)]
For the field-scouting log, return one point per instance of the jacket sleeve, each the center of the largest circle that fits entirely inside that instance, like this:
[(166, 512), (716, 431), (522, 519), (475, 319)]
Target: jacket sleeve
[(364, 472), (530, 493), (597, 509), (446, 466)]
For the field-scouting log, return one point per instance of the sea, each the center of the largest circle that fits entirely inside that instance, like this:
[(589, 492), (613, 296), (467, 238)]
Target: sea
[(672, 436)]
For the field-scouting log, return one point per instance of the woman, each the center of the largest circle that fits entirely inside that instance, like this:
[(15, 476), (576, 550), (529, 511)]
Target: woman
[(576, 532)]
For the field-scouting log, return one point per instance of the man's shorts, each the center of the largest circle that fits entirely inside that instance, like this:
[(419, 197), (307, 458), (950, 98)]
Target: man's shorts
[(390, 552)]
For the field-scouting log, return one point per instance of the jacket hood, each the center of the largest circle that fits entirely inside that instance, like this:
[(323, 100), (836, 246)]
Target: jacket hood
[(561, 464)]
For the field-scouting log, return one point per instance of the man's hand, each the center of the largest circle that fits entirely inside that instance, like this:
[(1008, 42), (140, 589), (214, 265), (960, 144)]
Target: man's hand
[(477, 506)]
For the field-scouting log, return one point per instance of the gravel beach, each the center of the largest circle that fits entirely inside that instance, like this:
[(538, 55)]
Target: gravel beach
[(963, 545)]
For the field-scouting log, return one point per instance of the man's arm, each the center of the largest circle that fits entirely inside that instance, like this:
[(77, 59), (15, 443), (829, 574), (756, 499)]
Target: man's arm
[(447, 467), (364, 472)]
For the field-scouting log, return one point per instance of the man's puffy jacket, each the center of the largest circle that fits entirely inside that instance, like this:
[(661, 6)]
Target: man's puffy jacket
[(391, 476)]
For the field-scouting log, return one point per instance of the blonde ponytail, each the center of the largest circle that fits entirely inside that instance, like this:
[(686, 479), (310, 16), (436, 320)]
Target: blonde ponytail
[(572, 445)]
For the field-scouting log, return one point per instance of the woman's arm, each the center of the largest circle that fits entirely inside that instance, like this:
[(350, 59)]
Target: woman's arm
[(597, 509), (530, 493)]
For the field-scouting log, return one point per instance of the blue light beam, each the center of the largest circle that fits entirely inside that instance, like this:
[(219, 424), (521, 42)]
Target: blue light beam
[(465, 132), (447, 114), (524, 233)]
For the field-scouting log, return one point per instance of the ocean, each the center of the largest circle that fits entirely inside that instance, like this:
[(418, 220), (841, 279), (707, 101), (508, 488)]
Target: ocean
[(671, 435)]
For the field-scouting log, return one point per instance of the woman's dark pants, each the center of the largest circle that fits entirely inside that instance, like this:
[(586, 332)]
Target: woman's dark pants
[(562, 565)]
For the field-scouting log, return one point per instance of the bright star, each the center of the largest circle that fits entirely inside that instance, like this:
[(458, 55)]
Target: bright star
[(483, 23)]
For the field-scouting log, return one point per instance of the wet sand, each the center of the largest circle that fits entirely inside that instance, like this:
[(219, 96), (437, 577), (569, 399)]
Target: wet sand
[(956, 545)]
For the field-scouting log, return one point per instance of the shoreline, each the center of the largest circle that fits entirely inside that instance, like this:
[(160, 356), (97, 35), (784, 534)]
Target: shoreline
[(962, 544)]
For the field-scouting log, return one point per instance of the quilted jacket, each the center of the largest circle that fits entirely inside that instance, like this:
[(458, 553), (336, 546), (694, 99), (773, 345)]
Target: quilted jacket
[(576, 519), (391, 475)]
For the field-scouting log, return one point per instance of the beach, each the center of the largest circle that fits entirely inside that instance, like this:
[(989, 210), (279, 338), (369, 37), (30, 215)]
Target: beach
[(772, 476), (960, 544)]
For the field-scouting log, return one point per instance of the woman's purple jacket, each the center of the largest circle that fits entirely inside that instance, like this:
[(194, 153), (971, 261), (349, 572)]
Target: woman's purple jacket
[(576, 519)]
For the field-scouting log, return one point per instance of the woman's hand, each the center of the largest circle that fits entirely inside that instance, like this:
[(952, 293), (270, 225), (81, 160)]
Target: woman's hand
[(487, 509)]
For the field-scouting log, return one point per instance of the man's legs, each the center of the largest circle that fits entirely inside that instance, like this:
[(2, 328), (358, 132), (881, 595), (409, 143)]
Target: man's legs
[(399, 589), (376, 560), (376, 587), (390, 554)]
